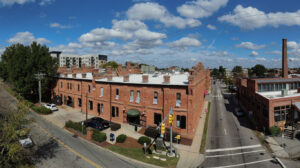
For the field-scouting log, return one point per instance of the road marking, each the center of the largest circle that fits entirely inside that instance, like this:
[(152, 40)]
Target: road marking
[(234, 154), (68, 147), (234, 148), (225, 131), (243, 164)]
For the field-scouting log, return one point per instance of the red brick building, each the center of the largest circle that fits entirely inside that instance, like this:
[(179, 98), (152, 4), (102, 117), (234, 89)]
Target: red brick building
[(127, 96), (271, 101)]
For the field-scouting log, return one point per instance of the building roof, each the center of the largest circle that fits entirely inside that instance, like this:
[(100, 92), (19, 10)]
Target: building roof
[(89, 76), (297, 104), (278, 95), (277, 80), (154, 79)]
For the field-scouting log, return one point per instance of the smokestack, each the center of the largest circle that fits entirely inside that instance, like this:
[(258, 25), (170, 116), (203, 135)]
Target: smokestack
[(284, 59)]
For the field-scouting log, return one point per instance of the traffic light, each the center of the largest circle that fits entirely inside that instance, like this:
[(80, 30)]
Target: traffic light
[(162, 128), (170, 118)]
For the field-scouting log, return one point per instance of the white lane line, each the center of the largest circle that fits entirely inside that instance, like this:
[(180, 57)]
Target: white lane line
[(243, 164), (225, 131), (234, 148), (213, 156)]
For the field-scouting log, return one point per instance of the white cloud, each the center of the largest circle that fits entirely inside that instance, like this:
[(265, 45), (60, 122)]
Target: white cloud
[(201, 8), (185, 42), (293, 48), (254, 54), (251, 18), (260, 59), (275, 52), (211, 27), (46, 2), (128, 25), (11, 2), (60, 26), (26, 38), (154, 11), (250, 46)]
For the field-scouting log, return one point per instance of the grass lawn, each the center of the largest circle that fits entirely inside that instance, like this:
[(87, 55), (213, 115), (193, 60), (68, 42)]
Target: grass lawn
[(203, 140), (138, 154)]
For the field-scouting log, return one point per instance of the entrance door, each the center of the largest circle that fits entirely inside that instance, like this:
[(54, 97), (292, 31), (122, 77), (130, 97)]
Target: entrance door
[(70, 101)]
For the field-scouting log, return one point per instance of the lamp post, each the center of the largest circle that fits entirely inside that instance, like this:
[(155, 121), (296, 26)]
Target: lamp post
[(39, 77)]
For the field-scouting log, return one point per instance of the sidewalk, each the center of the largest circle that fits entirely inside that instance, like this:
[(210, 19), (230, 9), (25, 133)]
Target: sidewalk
[(276, 148), (189, 155)]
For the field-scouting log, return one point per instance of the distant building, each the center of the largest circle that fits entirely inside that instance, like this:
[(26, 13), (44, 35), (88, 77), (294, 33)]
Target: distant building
[(78, 61), (147, 69), (174, 69)]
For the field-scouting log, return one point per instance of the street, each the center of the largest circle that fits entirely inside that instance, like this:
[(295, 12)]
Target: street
[(55, 147), (230, 140)]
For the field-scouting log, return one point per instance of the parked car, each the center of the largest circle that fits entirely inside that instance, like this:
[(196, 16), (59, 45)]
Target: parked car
[(97, 123), (52, 107), (239, 113)]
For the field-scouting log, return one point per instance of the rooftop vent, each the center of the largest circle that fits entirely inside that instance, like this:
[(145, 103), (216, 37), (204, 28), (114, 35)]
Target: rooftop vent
[(284, 92)]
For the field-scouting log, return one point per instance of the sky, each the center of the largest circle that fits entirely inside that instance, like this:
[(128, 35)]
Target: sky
[(159, 32)]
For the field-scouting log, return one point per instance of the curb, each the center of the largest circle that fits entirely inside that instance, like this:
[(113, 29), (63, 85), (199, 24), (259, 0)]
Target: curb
[(280, 162)]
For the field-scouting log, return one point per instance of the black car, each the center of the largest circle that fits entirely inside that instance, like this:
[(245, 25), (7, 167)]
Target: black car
[(97, 123)]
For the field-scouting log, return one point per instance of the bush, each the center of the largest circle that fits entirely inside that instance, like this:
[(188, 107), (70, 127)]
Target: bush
[(115, 126), (275, 131), (76, 126), (121, 138), (151, 132), (28, 103), (41, 110), (167, 135), (99, 136), (144, 139)]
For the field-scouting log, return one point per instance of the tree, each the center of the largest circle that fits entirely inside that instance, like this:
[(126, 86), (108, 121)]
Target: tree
[(259, 70), (11, 152), (20, 63), (113, 64), (215, 72), (237, 70), (222, 71)]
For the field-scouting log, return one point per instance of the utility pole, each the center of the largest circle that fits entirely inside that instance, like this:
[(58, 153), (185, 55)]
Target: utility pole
[(171, 133), (39, 77)]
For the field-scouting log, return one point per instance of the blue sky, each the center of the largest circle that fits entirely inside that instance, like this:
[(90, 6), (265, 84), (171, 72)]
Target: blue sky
[(162, 33)]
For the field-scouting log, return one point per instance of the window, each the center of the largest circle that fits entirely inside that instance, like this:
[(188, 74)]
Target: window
[(155, 98), (282, 113), (89, 89), (277, 116), (79, 102), (181, 122), (131, 96), (91, 105), (70, 86), (113, 111), (117, 94), (178, 99), (98, 108), (117, 111), (138, 94), (101, 108), (157, 118), (61, 84), (101, 92), (78, 87)]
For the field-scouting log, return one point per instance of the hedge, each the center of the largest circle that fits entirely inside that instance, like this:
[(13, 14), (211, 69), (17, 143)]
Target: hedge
[(41, 110), (275, 131), (76, 126), (115, 126), (151, 132), (121, 138), (99, 136), (144, 139), (28, 103)]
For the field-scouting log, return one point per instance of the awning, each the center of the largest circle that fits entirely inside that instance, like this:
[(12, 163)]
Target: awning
[(133, 113)]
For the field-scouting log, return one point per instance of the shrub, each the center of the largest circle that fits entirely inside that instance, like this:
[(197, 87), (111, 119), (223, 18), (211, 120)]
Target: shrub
[(41, 110), (99, 136), (76, 126), (144, 139), (151, 132), (115, 126), (275, 131), (28, 103), (121, 138), (167, 135)]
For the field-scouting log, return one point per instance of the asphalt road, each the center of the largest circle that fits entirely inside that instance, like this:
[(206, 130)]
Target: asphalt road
[(57, 148), (230, 140)]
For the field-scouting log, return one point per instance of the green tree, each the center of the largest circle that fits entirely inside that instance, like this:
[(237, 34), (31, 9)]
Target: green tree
[(20, 63), (222, 71), (215, 72), (237, 70), (11, 152), (113, 64), (259, 70)]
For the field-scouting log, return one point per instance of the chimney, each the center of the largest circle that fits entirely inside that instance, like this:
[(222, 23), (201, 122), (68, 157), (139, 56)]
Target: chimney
[(145, 78), (126, 78), (167, 79), (284, 59), (94, 80), (84, 75), (74, 75)]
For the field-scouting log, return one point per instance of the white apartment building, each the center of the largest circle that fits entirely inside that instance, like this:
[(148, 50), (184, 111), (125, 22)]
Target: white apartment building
[(78, 61)]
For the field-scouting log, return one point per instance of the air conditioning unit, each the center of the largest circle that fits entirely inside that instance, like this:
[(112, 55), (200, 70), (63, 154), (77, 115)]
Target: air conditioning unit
[(284, 92)]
